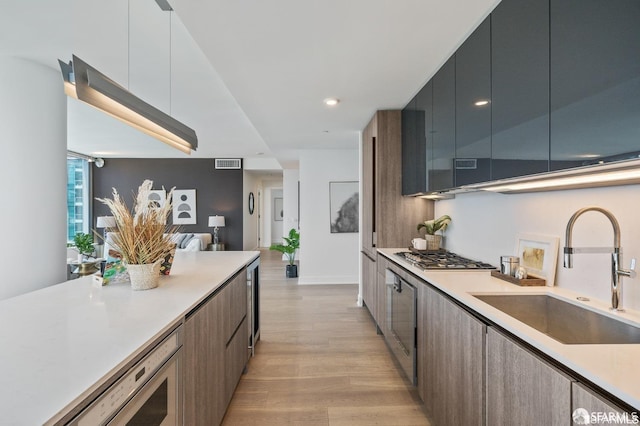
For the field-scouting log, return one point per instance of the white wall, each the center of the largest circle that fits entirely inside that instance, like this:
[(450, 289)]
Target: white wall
[(325, 258), (250, 183), (485, 225), (33, 172), (290, 178)]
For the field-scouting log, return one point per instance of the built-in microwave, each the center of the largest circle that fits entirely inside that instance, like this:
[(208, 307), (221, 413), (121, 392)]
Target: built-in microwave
[(149, 393)]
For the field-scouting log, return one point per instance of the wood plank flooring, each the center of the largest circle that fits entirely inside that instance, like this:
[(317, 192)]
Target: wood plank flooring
[(319, 361)]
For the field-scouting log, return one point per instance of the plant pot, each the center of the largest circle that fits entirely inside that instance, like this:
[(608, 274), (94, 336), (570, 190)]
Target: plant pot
[(292, 271), (433, 241), (144, 277)]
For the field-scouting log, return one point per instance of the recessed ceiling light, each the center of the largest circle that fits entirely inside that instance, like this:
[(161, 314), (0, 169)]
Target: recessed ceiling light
[(331, 101), (259, 153), (481, 102)]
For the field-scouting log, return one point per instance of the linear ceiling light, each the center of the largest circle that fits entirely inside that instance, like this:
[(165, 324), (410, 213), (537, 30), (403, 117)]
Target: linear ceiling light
[(85, 83)]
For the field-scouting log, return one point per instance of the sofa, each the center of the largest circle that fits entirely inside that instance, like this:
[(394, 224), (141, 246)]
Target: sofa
[(190, 241)]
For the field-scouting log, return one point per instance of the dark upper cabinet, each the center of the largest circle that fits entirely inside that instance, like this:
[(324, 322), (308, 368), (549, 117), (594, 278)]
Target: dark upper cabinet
[(595, 81), (473, 108), (424, 132), (520, 88), (416, 150), (443, 141)]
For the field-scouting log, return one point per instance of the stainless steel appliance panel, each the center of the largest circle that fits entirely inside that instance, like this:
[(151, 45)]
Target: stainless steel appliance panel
[(401, 323)]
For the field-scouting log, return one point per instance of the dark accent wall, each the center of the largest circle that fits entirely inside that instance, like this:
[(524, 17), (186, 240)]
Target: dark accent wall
[(217, 191)]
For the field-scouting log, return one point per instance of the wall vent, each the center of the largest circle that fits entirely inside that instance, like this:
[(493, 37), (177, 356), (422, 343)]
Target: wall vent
[(228, 163), (466, 163)]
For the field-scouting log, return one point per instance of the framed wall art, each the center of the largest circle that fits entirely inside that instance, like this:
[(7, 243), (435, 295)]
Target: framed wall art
[(539, 255), (184, 207)]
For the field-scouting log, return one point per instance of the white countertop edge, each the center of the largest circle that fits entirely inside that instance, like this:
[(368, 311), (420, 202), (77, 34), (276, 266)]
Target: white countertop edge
[(614, 368)]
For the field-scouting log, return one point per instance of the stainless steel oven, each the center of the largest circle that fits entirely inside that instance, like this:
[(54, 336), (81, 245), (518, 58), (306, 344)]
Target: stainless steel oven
[(149, 394), (401, 320)]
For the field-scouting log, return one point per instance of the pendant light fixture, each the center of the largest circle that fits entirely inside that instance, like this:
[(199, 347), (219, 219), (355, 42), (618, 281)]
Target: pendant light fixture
[(87, 84)]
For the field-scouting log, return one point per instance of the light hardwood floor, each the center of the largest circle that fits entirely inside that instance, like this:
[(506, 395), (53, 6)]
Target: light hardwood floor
[(319, 361)]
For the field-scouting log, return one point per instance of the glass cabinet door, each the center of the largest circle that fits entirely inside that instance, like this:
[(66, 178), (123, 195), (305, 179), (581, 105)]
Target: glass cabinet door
[(520, 88), (595, 81), (444, 127)]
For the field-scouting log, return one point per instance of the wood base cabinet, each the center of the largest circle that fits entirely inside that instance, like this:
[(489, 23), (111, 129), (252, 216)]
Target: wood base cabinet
[(450, 361), (522, 388), (369, 281), (599, 408), (215, 353)]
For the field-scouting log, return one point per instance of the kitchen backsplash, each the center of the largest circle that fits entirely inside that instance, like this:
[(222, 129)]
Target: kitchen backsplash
[(485, 226)]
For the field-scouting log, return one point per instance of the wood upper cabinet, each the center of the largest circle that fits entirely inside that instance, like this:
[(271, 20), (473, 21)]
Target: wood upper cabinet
[(522, 387), (594, 404), (388, 218), (451, 359), (595, 81)]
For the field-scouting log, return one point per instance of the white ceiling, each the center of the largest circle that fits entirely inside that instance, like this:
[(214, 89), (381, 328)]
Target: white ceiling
[(249, 76)]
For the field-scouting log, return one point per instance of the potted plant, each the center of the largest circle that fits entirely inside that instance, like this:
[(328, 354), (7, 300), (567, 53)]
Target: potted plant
[(289, 249), (84, 244), (142, 236), (431, 227)]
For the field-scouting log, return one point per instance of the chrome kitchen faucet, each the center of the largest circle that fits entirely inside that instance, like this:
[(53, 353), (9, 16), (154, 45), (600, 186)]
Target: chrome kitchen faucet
[(616, 272)]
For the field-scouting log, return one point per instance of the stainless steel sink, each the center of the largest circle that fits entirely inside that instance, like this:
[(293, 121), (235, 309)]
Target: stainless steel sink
[(564, 321)]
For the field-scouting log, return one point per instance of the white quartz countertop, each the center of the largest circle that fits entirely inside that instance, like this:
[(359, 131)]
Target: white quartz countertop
[(61, 343), (615, 368)]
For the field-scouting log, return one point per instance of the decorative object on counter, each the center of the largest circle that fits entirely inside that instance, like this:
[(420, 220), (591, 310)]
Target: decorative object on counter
[(524, 282), (344, 199), (289, 249), (167, 262), (509, 265), (216, 222), (184, 206), (419, 243), (539, 255), (431, 227), (142, 236), (521, 273)]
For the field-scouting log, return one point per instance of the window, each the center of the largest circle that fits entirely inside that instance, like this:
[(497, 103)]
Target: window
[(78, 201)]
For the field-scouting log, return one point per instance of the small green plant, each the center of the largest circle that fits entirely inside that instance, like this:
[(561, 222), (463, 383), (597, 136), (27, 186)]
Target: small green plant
[(434, 225), (289, 249), (84, 243)]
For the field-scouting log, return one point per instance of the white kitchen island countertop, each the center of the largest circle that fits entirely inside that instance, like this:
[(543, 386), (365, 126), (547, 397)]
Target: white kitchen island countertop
[(615, 368), (63, 342)]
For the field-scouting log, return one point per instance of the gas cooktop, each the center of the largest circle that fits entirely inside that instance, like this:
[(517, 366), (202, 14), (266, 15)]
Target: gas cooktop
[(440, 259)]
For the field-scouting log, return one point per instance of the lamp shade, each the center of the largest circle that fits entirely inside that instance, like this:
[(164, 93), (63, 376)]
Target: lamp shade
[(106, 222), (216, 221)]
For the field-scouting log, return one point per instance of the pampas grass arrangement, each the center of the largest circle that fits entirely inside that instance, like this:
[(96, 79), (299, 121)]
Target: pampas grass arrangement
[(142, 236)]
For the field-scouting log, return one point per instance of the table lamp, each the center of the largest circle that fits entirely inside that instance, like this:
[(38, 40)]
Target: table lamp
[(106, 222), (216, 222)]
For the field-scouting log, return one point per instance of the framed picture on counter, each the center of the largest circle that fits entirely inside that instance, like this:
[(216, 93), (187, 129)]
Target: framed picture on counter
[(539, 255)]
